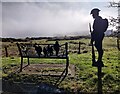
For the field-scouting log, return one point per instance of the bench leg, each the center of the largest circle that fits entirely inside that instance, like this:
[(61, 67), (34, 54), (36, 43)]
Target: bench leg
[(67, 64), (21, 64), (64, 72)]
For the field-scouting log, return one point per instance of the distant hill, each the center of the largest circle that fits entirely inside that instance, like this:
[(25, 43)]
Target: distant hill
[(39, 38), (108, 33)]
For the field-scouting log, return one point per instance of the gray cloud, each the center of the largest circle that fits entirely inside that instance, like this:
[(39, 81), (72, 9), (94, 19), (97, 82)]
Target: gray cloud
[(45, 18), (41, 19)]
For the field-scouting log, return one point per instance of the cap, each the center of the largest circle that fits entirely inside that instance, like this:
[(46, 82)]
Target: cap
[(94, 11)]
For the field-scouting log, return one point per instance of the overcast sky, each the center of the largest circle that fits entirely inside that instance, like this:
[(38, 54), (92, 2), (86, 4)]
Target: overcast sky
[(36, 19)]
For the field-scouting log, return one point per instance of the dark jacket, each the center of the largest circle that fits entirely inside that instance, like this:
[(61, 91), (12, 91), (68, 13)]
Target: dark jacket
[(98, 32)]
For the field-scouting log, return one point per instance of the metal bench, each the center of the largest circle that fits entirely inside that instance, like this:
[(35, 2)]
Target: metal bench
[(29, 50)]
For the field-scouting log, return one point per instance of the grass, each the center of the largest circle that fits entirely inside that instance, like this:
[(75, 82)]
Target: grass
[(85, 79)]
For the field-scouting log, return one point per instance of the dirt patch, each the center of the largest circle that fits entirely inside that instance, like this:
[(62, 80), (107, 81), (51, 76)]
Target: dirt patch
[(48, 69)]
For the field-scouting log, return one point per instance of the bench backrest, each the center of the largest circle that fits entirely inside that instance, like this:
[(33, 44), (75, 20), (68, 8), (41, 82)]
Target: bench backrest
[(42, 50)]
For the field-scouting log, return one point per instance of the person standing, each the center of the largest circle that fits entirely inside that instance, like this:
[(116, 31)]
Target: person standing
[(99, 27)]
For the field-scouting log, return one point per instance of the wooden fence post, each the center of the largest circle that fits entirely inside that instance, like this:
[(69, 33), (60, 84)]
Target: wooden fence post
[(118, 43), (79, 48), (6, 51), (67, 60)]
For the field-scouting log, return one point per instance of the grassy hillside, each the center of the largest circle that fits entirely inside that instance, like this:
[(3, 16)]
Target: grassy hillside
[(85, 79)]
